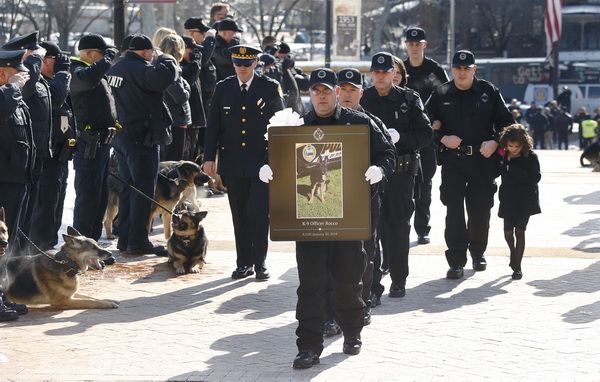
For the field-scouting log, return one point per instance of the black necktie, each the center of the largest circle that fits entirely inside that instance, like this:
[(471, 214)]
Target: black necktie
[(244, 90)]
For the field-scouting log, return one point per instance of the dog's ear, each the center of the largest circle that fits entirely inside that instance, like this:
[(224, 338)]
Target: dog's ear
[(1, 213), (73, 232), (71, 240), (201, 215)]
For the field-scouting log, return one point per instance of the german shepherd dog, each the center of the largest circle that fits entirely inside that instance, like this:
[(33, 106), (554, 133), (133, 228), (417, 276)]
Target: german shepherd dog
[(174, 178), (187, 246), (591, 154), (52, 278), (112, 208), (318, 180)]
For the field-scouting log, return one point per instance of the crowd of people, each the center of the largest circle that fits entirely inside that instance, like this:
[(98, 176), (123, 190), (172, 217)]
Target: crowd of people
[(205, 96)]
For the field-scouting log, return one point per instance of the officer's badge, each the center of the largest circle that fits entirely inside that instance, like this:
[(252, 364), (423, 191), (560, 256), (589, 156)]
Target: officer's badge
[(462, 56), (404, 108), (431, 77), (318, 134), (309, 153), (321, 74), (280, 91), (242, 50), (485, 97), (349, 74), (414, 33), (380, 60)]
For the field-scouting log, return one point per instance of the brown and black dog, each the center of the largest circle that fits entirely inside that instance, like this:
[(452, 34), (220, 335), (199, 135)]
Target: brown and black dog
[(187, 246), (591, 154), (318, 180)]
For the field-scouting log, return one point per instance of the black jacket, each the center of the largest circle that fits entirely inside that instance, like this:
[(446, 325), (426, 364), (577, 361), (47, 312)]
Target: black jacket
[(63, 119), (519, 196), (381, 150), (91, 97), (177, 99), (17, 149), (37, 96), (222, 57), (190, 71), (236, 126), (402, 110), (208, 74), (475, 115), (138, 87), (425, 78)]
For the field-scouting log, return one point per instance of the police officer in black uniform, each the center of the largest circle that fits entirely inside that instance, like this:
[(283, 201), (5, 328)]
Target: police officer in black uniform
[(36, 94), (226, 38), (468, 115), (191, 66), (17, 154), (342, 261), (96, 117), (424, 75), (402, 111), (138, 85), (237, 123), (204, 36), (52, 184)]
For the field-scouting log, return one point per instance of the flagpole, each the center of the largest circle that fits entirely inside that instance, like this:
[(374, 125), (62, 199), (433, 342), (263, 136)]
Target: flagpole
[(555, 69)]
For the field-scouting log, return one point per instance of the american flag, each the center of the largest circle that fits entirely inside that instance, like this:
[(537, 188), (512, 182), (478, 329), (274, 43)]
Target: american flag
[(553, 23)]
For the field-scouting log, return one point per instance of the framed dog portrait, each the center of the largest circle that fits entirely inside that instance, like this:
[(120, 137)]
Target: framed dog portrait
[(319, 191)]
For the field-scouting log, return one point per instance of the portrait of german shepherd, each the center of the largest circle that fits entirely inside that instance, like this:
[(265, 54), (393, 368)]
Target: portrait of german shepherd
[(187, 246), (318, 180), (53, 278)]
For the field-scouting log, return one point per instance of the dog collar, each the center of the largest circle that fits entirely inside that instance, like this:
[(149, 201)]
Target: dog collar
[(186, 240), (70, 266)]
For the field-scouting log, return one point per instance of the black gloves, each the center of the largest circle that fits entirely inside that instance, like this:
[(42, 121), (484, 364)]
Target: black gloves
[(195, 55), (110, 54), (63, 63)]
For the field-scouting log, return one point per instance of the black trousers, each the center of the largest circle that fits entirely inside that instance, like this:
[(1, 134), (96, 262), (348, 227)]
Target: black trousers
[(138, 166), (466, 183), (249, 204), (397, 208), (422, 192), (49, 204), (91, 189), (13, 197), (344, 263)]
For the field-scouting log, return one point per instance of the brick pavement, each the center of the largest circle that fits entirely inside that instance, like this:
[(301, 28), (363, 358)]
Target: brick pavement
[(208, 327)]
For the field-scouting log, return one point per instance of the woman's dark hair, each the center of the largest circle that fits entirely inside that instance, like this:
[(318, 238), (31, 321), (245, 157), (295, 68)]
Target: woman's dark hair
[(402, 69), (516, 133)]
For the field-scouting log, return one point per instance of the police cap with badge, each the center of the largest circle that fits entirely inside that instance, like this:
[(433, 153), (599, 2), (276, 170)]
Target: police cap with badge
[(463, 58), (28, 41), (12, 59), (244, 55), (195, 23), (383, 61), (350, 76), (415, 35), (323, 76)]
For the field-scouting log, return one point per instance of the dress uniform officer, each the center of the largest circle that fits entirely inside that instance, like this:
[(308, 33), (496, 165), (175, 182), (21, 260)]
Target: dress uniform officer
[(94, 108), (237, 123), (17, 153), (424, 75), (402, 111), (468, 115), (52, 184), (36, 94), (343, 262), (138, 87)]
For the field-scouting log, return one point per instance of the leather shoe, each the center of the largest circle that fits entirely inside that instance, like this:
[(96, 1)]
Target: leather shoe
[(367, 317), (9, 305), (385, 271), (397, 290), (262, 273), (331, 328), (352, 346), (7, 314), (151, 250), (424, 239), (375, 300), (479, 263), (455, 272), (306, 359), (517, 275), (242, 272)]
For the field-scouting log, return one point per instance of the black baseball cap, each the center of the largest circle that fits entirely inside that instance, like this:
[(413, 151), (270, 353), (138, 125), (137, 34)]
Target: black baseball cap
[(28, 41), (463, 58), (190, 43), (268, 59), (140, 42), (52, 49), (323, 76), (350, 76), (415, 35), (383, 61), (92, 41), (126, 41), (13, 59), (195, 23), (229, 25)]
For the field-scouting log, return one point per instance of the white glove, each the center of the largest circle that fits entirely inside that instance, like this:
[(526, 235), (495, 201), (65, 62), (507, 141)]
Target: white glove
[(373, 175), (265, 173), (19, 78), (394, 134)]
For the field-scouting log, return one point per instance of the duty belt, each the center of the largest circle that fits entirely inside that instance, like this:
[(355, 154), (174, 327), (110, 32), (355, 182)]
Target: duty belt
[(463, 151)]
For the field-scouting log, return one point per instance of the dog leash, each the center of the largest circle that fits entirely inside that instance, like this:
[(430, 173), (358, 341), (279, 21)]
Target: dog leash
[(141, 193), (73, 267)]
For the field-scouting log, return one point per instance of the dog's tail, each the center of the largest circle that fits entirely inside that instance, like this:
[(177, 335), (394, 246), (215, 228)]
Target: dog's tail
[(581, 158)]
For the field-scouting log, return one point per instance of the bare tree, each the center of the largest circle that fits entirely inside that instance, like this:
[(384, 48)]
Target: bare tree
[(66, 13), (266, 17), (498, 21)]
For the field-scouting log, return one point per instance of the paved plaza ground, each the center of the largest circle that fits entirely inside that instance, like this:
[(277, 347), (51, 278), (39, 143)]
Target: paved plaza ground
[(208, 327)]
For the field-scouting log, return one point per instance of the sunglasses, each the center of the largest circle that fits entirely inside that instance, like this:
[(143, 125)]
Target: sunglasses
[(244, 65)]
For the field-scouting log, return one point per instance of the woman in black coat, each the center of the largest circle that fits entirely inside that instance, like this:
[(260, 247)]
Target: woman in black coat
[(519, 195)]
